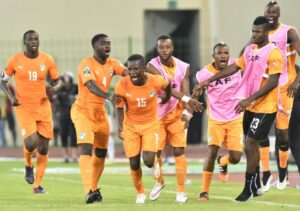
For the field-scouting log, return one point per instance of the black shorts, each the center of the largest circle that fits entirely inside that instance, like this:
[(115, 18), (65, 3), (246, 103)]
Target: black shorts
[(257, 125)]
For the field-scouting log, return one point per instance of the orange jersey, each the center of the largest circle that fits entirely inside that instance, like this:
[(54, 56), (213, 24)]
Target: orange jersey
[(91, 69), (30, 76), (267, 103), (141, 101)]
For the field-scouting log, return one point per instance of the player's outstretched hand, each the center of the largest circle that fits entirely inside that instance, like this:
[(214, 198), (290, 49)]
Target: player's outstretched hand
[(185, 120), (243, 104), (196, 105)]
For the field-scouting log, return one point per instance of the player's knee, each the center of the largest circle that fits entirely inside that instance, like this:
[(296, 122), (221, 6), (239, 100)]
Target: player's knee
[(283, 145), (85, 149), (100, 153), (134, 163), (30, 147), (178, 151), (43, 150), (149, 162), (234, 158), (265, 143)]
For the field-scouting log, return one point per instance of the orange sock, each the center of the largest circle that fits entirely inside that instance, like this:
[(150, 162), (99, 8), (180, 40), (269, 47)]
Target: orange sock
[(42, 161), (97, 169), (206, 180), (283, 158), (85, 171), (137, 180), (224, 160), (180, 168), (265, 158), (27, 157), (160, 178)]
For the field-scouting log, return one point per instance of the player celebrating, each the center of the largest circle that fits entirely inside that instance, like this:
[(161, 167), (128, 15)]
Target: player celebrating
[(139, 127), (224, 124), (33, 111)]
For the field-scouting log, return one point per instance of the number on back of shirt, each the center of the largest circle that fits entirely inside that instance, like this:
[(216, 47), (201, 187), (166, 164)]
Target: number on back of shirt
[(141, 102), (32, 75)]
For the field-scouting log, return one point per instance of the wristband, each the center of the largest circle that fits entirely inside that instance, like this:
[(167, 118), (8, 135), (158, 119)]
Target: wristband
[(185, 98), (188, 114)]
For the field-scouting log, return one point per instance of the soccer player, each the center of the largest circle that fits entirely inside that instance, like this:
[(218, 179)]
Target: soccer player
[(173, 119), (89, 115), (139, 128), (33, 111), (224, 124), (262, 64), (287, 40)]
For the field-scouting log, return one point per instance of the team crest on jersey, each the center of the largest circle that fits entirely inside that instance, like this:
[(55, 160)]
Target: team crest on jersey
[(152, 93), (42, 67), (111, 71), (86, 70), (82, 135)]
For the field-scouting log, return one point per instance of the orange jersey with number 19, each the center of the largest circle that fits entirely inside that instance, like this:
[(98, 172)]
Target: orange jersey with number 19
[(30, 76)]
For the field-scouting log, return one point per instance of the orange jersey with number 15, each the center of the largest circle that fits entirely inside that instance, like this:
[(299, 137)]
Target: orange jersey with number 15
[(141, 101), (30, 76)]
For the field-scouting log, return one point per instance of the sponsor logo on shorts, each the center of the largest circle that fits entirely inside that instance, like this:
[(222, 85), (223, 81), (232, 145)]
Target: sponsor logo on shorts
[(82, 135), (23, 132), (209, 138)]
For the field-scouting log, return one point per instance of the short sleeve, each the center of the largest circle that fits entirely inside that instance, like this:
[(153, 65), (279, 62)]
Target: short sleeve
[(53, 71), (118, 67), (9, 70), (85, 72), (240, 62), (120, 91), (275, 62), (161, 82)]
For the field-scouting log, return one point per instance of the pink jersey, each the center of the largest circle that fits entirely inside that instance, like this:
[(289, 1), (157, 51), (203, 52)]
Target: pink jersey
[(255, 70), (220, 93), (280, 39), (176, 82)]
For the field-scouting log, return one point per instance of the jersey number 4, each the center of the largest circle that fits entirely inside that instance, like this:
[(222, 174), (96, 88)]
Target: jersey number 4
[(141, 102)]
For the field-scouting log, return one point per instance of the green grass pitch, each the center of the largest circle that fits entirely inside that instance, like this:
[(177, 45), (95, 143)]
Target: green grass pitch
[(65, 192)]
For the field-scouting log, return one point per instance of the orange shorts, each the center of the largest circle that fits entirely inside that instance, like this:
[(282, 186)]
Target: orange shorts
[(171, 130), (228, 133), (35, 118), (91, 126), (284, 108), (140, 137)]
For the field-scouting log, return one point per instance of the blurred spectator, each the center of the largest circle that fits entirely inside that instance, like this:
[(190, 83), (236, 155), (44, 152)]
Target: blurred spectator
[(65, 98), (111, 142), (3, 119), (10, 117)]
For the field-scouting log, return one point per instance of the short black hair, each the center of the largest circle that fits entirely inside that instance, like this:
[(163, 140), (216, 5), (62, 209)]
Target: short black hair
[(135, 57), (28, 32), (164, 37), (220, 44), (97, 37), (262, 20)]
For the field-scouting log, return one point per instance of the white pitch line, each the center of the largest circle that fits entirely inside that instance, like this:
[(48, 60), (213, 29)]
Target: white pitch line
[(174, 192)]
